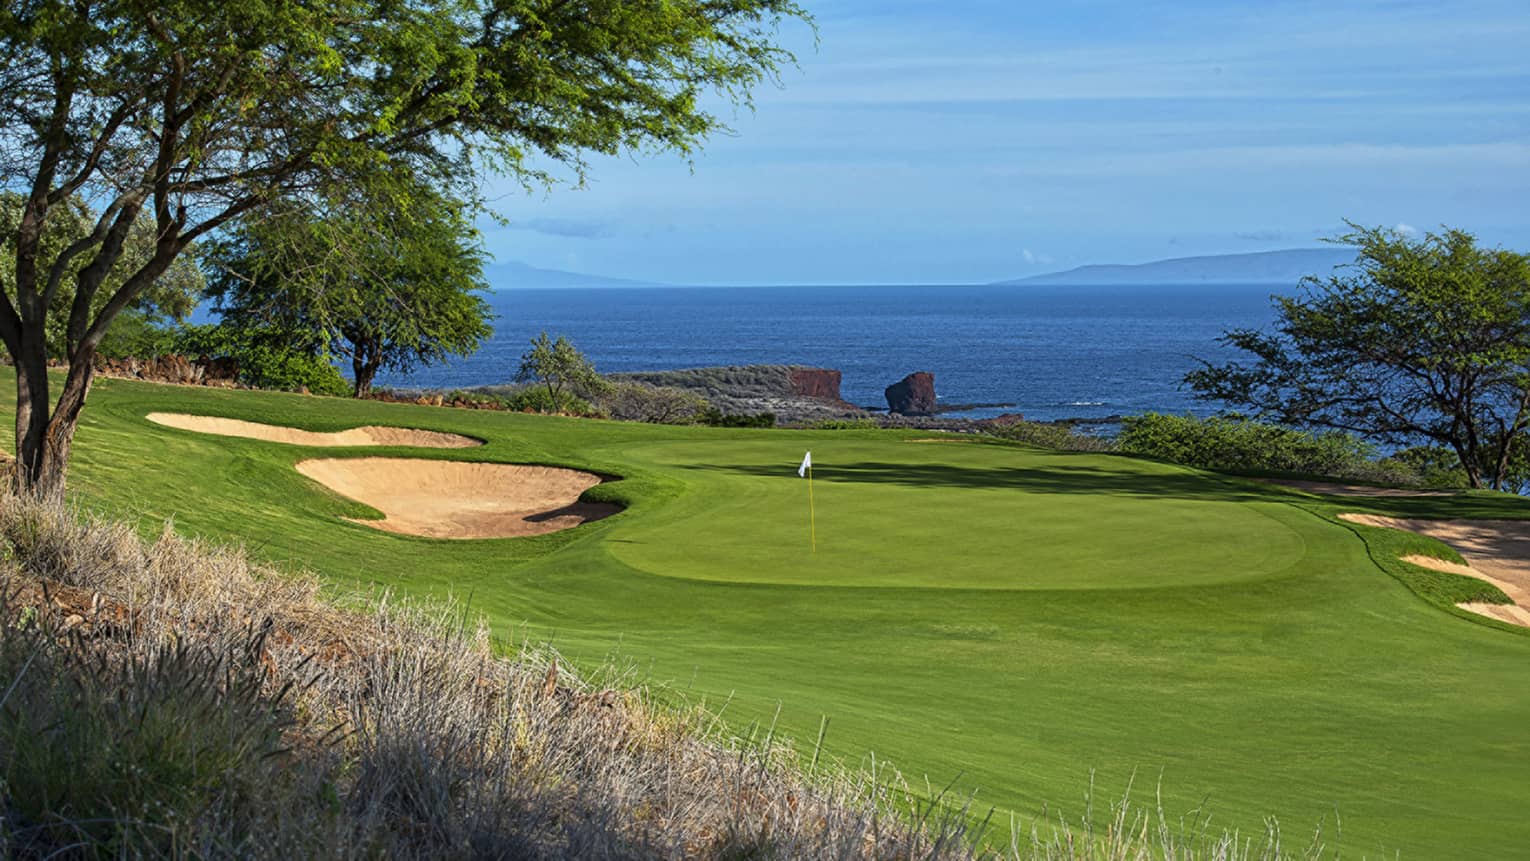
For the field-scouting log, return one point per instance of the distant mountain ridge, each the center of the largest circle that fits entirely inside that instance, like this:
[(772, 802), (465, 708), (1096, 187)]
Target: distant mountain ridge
[(512, 275), (1260, 267)]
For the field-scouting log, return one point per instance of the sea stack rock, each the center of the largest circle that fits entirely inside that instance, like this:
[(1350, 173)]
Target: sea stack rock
[(815, 383), (914, 395)]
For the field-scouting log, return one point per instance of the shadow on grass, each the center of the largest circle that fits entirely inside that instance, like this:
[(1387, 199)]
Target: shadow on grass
[(1477, 505), (1072, 479)]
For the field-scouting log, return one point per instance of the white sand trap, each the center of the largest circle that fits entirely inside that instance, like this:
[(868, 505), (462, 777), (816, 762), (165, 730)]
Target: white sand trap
[(369, 435), (1334, 489), (453, 499), (1497, 551)]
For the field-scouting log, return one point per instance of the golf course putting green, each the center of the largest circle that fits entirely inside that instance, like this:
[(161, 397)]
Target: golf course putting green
[(963, 517), (1009, 620)]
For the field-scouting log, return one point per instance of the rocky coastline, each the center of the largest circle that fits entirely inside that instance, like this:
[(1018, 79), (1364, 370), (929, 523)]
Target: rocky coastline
[(801, 396), (797, 395)]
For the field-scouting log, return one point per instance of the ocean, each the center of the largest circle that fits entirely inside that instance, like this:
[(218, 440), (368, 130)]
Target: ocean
[(1051, 352)]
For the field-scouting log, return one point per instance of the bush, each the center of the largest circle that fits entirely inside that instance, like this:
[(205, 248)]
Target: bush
[(1060, 437), (1433, 466), (267, 360), (133, 335), (1238, 444), (845, 424), (717, 418), (537, 399), (641, 402)]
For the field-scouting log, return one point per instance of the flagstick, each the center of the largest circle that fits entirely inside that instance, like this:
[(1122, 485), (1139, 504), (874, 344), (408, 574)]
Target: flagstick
[(812, 517)]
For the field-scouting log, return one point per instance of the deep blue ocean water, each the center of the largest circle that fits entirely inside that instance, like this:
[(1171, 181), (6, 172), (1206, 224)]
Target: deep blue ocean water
[(1053, 352)]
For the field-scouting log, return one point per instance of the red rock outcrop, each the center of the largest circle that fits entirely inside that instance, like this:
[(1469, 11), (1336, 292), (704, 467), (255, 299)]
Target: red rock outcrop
[(914, 395), (816, 383)]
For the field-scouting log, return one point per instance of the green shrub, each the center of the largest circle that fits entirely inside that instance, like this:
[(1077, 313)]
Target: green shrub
[(717, 418), (537, 399), (1053, 436), (642, 402), (267, 359), (1431, 466), (1239, 444), (845, 424), (134, 335), (267, 367)]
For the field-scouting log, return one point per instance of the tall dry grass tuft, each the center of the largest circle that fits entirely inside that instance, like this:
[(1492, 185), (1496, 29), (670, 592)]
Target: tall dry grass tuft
[(175, 699)]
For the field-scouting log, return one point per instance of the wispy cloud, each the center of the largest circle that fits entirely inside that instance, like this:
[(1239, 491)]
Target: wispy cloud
[(572, 228), (1261, 235)]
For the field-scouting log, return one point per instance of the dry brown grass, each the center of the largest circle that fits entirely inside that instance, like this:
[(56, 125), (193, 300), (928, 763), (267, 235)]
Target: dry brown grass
[(176, 699)]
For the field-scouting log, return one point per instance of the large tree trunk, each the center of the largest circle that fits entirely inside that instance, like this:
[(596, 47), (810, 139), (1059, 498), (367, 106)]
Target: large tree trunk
[(1467, 455), (44, 437), (365, 360)]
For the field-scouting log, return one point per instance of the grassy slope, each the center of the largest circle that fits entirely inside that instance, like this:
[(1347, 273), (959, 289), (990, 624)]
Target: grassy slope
[(960, 616)]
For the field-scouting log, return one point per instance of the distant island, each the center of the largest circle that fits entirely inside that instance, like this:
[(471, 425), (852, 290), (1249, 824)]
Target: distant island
[(512, 275), (1262, 267)]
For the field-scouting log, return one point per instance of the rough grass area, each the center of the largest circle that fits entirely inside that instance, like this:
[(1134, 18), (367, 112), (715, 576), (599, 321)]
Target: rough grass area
[(993, 616), (172, 700)]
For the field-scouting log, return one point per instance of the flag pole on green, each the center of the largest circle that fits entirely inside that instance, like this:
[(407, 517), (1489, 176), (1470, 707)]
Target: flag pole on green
[(806, 471)]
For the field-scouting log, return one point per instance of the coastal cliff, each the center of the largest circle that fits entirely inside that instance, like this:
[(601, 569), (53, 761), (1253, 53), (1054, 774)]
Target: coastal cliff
[(794, 393)]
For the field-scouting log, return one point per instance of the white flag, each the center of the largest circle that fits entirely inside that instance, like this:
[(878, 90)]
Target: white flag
[(807, 464)]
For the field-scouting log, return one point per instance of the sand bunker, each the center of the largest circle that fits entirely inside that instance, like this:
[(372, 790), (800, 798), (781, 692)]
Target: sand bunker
[(1333, 489), (452, 499), (1497, 551), (370, 435)]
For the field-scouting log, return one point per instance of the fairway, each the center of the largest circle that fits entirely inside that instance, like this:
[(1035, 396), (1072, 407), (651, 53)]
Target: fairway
[(1007, 618)]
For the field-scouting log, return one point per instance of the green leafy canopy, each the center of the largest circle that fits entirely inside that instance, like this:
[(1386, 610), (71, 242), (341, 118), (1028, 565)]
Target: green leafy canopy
[(387, 281), (186, 116), (1422, 340)]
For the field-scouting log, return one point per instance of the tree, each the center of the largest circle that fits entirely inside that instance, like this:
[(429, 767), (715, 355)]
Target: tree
[(387, 286), (560, 367), (1421, 340), (190, 115), (170, 297)]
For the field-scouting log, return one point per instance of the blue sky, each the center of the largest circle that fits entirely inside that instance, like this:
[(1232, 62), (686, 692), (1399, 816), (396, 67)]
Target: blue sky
[(969, 141)]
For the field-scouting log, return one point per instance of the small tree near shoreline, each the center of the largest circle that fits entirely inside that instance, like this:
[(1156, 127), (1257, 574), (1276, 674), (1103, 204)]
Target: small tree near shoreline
[(558, 366)]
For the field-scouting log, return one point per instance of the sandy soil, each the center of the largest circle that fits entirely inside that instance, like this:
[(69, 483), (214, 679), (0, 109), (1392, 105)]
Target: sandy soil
[(452, 499), (1497, 551), (1333, 489), (370, 435)]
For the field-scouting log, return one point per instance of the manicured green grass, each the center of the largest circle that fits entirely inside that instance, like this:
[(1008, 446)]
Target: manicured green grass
[(1012, 616)]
